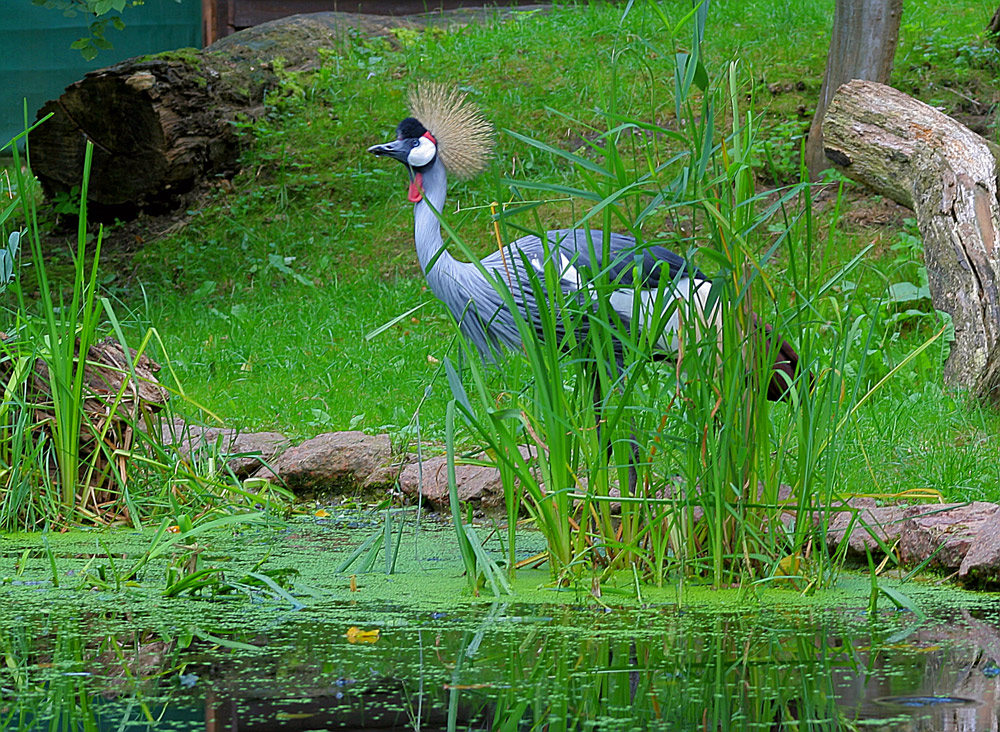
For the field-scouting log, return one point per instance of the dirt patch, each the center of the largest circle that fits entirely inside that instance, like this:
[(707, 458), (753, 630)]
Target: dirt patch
[(867, 211), (122, 239)]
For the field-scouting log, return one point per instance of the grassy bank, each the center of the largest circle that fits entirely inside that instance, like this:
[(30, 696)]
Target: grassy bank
[(265, 296)]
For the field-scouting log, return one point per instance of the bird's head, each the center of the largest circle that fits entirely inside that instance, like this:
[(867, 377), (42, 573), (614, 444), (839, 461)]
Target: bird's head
[(444, 127), (415, 147)]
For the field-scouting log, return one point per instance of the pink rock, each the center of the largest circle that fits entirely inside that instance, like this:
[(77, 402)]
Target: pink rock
[(873, 524), (196, 442), (981, 566), (950, 530), (474, 483)]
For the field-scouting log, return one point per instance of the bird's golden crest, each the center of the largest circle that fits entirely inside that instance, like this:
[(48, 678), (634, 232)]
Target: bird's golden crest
[(464, 137)]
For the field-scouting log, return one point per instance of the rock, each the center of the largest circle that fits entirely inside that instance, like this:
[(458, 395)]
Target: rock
[(255, 448), (384, 476), (478, 484), (243, 451), (329, 463), (883, 522), (475, 483), (950, 530), (981, 566)]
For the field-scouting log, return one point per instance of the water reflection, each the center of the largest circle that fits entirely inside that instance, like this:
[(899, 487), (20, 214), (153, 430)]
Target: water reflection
[(507, 668)]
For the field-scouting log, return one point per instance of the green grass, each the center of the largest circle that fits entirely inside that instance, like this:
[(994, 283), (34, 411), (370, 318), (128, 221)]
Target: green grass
[(265, 297)]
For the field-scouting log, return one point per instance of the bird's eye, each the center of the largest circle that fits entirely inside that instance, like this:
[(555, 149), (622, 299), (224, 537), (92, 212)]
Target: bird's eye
[(416, 142)]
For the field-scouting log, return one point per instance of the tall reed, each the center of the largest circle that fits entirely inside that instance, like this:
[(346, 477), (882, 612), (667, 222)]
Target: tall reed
[(60, 461), (727, 485)]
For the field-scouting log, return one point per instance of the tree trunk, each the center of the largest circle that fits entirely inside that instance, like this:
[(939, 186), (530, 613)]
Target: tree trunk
[(160, 124), (947, 174), (862, 46), (993, 29)]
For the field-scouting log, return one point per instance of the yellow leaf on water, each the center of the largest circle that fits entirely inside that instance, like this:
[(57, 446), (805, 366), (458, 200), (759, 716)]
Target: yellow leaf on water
[(356, 635), (322, 513)]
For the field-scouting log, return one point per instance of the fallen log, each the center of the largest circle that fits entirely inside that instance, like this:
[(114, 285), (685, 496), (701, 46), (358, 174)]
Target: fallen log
[(947, 175), (162, 123)]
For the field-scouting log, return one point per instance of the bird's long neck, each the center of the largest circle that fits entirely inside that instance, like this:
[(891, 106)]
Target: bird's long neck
[(435, 260)]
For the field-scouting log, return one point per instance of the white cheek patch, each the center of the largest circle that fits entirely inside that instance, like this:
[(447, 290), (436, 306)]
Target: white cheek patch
[(422, 154)]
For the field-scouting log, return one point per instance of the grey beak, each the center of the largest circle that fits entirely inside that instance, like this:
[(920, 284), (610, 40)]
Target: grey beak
[(397, 149)]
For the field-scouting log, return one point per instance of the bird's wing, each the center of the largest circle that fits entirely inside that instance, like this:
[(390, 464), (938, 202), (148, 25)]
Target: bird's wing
[(575, 249), (579, 255), (487, 321), (520, 269), (625, 258)]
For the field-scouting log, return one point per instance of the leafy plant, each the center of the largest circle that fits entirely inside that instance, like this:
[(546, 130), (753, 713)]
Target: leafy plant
[(78, 437), (189, 575), (105, 12), (386, 540)]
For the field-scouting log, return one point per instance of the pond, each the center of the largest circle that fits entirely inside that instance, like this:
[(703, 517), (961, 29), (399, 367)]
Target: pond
[(409, 651)]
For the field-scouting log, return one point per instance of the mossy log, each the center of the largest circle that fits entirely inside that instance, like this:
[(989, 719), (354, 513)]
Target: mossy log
[(161, 124), (947, 175)]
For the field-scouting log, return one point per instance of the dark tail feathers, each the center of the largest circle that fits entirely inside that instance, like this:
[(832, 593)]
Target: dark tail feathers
[(785, 367)]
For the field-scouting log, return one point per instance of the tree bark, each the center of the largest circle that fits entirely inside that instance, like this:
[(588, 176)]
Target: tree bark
[(862, 46), (947, 174), (993, 28), (160, 124)]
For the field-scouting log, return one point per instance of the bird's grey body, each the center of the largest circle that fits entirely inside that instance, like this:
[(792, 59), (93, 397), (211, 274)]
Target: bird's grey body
[(471, 293)]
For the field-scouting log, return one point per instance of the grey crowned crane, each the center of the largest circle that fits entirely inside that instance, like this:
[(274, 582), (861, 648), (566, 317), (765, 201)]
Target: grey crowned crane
[(447, 135)]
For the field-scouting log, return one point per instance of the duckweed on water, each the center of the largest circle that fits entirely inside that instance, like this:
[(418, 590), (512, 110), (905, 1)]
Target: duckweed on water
[(411, 645), (427, 572)]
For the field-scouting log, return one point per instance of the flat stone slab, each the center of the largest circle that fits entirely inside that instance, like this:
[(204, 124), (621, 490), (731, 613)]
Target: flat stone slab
[(949, 534), (244, 452), (869, 525), (981, 565), (477, 483)]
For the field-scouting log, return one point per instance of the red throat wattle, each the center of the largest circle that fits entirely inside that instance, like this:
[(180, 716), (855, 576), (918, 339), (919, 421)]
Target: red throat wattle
[(416, 185)]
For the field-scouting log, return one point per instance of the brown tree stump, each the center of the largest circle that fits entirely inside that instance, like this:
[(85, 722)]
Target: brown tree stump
[(993, 28), (862, 46), (947, 174), (160, 124)]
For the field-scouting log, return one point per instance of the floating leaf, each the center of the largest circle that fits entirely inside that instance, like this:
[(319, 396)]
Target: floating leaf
[(356, 635)]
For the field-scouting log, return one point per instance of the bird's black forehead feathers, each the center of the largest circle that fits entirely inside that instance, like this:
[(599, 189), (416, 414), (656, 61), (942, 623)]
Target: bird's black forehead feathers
[(409, 128)]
